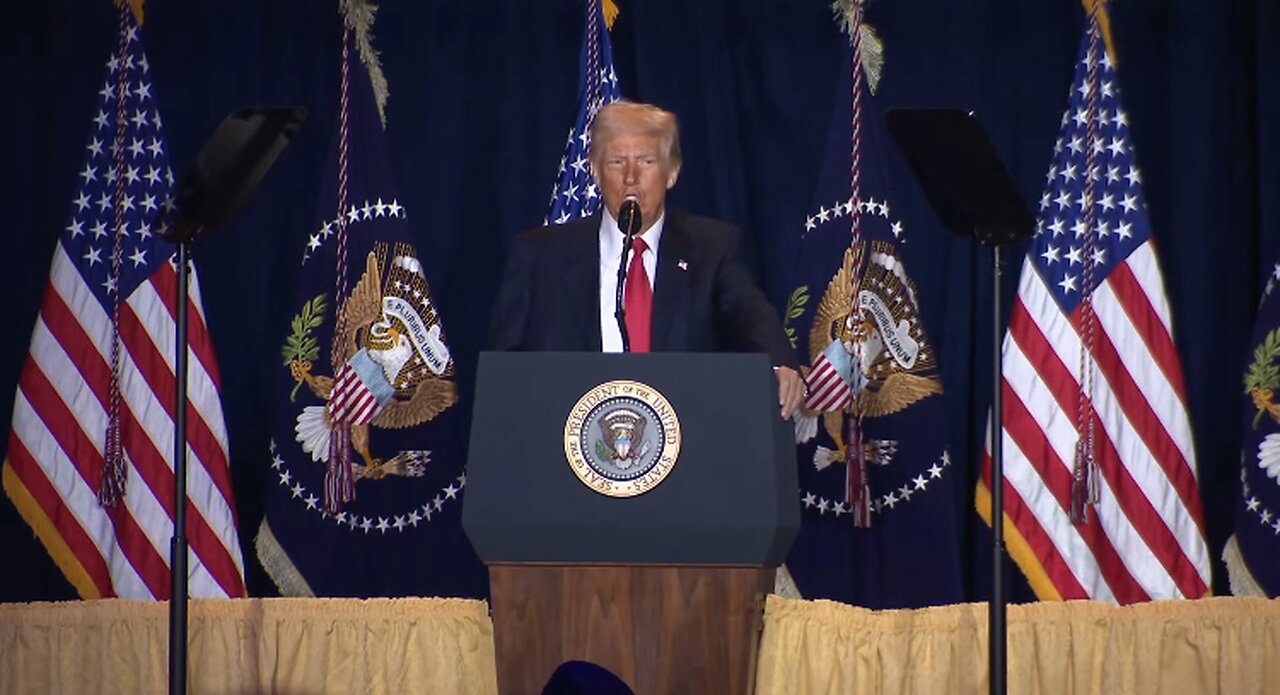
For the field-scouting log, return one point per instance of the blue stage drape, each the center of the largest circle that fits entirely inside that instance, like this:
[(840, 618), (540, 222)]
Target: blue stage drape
[(482, 94)]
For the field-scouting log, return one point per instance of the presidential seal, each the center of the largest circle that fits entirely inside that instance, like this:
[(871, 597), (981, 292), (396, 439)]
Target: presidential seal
[(622, 438)]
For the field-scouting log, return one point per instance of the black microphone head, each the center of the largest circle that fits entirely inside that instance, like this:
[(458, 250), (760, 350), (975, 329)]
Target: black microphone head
[(629, 220)]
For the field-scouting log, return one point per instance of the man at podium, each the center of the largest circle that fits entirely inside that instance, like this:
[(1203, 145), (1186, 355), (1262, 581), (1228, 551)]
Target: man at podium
[(684, 285)]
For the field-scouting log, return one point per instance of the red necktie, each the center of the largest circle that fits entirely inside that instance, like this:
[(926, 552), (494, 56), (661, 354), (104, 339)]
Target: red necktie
[(637, 298)]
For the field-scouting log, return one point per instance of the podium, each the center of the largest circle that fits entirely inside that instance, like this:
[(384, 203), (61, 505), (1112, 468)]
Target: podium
[(652, 565)]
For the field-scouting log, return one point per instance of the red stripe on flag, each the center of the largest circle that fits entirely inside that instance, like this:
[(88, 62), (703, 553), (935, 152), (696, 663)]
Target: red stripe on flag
[(1133, 299), (66, 330), (67, 525), (1038, 541), (63, 426), (827, 389), (165, 281), (154, 468), (160, 378), (1147, 425), (367, 407), (1040, 454), (1144, 518), (1138, 409)]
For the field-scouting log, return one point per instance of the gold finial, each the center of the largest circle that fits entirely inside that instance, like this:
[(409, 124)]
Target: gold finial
[(1104, 24), (136, 6)]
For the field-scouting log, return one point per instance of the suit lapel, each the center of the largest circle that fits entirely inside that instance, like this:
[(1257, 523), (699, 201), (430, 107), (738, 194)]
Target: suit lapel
[(670, 287), (582, 278)]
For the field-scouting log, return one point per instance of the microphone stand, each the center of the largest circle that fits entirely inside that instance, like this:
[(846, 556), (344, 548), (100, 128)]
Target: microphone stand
[(224, 174), (628, 233), (971, 191), (178, 544), (997, 620), (619, 312)]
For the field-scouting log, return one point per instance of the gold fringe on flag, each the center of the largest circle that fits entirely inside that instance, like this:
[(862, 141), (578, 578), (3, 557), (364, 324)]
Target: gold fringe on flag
[(872, 46), (359, 15), (48, 534), (1104, 24), (610, 9), (1239, 578), (136, 6)]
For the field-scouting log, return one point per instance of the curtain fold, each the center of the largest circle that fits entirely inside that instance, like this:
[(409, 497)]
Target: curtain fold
[(295, 646), (1219, 645), (313, 646)]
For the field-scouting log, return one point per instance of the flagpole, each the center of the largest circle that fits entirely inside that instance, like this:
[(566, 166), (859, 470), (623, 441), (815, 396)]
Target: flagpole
[(178, 545)]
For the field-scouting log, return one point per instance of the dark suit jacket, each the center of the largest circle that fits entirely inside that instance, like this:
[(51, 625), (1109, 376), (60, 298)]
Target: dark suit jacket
[(704, 300)]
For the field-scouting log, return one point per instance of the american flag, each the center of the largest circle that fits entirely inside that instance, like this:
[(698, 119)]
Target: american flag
[(575, 194), (1094, 401), (829, 384), (54, 467)]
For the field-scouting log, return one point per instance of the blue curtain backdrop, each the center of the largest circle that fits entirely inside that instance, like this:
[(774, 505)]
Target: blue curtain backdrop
[(482, 94)]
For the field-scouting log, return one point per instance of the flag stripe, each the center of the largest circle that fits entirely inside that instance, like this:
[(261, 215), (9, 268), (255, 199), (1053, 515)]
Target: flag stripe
[(57, 440), (1150, 326), (1146, 274), (149, 521), (1136, 419), (1148, 363), (1040, 545), (83, 548), (156, 367), (1139, 527), (1146, 521), (202, 389), (88, 327), (210, 553), (1161, 459), (1052, 475), (143, 443), (1140, 427), (165, 283)]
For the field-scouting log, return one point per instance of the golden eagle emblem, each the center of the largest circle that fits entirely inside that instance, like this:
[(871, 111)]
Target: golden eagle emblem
[(897, 361), (392, 364)]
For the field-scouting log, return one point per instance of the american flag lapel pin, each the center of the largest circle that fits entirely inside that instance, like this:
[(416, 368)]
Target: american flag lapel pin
[(683, 264)]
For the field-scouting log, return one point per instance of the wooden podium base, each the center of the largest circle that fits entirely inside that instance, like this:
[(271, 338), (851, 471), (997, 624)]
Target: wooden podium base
[(662, 629)]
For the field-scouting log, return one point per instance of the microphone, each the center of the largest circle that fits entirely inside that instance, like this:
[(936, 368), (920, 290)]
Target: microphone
[(629, 222), (629, 219)]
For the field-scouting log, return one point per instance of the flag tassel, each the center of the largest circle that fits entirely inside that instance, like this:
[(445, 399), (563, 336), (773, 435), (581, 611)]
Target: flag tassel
[(857, 486), (339, 480), (1084, 484)]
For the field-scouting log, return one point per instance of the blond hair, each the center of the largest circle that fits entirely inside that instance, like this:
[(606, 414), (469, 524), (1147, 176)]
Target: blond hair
[(632, 117)]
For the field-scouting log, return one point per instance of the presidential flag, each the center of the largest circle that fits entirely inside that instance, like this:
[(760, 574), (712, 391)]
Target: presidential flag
[(575, 194), (90, 457), (366, 478), (1100, 491), (1252, 554), (881, 521)]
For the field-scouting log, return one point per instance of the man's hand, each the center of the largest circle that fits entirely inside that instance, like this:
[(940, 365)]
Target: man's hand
[(790, 390)]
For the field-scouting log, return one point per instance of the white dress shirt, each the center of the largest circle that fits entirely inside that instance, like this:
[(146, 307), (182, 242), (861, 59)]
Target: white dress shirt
[(611, 239)]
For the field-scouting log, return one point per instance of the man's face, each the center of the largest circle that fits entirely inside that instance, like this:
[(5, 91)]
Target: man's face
[(632, 163)]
